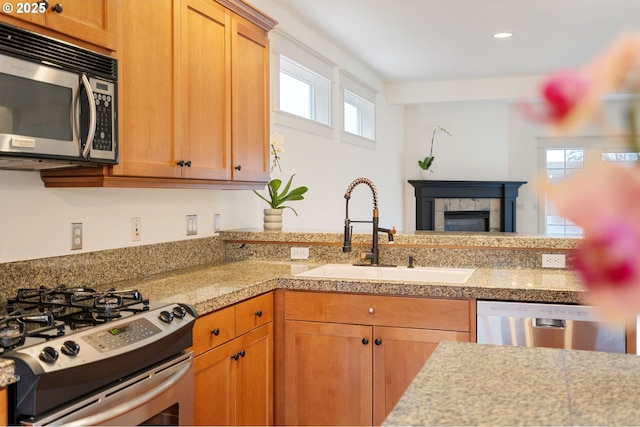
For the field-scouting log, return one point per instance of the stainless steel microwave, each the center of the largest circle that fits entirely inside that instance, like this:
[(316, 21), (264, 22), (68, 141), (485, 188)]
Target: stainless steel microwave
[(58, 103)]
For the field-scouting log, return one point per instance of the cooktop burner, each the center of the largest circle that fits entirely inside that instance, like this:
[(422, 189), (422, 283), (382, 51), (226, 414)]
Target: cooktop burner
[(47, 312)]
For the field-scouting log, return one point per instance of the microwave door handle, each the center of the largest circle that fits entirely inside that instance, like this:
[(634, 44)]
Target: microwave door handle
[(75, 115), (92, 116)]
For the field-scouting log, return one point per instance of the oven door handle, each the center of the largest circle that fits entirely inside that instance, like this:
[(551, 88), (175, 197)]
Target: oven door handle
[(104, 417)]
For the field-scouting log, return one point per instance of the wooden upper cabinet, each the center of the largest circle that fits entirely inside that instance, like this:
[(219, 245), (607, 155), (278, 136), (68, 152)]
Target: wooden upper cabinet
[(146, 90), (250, 101), (92, 21), (204, 89)]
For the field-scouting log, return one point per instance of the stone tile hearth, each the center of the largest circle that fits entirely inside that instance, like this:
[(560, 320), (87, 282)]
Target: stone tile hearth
[(467, 204)]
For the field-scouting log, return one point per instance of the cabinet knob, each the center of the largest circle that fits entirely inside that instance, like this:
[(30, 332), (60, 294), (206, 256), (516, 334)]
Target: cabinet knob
[(378, 341), (238, 168), (241, 353), (365, 341), (215, 331), (259, 313), (188, 163), (371, 310), (57, 8), (182, 163)]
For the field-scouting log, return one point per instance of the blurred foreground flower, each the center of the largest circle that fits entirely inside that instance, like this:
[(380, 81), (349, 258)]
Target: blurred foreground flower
[(603, 198)]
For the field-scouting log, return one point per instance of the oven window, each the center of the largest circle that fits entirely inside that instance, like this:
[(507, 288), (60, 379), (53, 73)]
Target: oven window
[(35, 109), (168, 417)]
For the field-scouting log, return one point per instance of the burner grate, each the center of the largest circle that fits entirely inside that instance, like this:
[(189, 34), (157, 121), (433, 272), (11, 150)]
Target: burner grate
[(78, 306), (17, 326)]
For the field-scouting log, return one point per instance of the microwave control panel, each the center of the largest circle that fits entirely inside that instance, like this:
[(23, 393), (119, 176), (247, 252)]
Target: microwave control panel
[(104, 98)]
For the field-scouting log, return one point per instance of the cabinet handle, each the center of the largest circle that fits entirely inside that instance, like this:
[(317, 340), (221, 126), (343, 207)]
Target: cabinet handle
[(259, 313), (365, 341), (238, 355), (57, 8), (238, 168), (378, 341), (371, 310), (215, 331)]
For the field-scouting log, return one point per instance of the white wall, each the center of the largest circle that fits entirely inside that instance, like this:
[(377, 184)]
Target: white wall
[(35, 221)]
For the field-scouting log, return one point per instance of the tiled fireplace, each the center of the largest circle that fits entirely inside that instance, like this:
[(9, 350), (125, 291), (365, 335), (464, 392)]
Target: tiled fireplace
[(466, 205)]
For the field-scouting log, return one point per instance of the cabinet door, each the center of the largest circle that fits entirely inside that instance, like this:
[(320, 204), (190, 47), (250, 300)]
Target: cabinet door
[(215, 390), (146, 97), (204, 88), (327, 374), (398, 356), (254, 377), (250, 101), (90, 20)]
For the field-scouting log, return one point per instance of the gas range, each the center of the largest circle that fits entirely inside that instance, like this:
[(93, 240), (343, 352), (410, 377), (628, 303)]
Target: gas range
[(68, 342)]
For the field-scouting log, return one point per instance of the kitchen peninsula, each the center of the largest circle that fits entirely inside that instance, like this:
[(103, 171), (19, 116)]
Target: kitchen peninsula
[(475, 384)]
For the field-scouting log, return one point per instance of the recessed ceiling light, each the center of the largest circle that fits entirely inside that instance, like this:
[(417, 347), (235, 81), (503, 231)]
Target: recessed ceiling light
[(502, 35)]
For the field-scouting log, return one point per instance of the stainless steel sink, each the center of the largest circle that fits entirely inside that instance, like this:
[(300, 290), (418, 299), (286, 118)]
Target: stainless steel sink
[(404, 274)]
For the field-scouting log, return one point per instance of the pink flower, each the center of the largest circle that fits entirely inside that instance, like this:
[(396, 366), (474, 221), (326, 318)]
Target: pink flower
[(604, 199)]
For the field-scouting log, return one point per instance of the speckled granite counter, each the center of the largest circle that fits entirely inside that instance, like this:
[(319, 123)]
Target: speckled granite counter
[(211, 288), (475, 384), (214, 287)]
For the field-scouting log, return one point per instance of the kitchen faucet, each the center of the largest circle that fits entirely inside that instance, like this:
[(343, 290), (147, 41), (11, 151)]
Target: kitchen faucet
[(374, 255)]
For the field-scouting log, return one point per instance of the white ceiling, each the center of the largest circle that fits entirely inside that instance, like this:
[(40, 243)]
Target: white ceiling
[(421, 40)]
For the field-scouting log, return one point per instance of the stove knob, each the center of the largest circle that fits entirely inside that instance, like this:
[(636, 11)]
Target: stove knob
[(70, 348), (48, 355), (179, 311), (165, 316)]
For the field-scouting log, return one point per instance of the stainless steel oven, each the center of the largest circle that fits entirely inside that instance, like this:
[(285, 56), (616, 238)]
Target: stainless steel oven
[(161, 395), (98, 358)]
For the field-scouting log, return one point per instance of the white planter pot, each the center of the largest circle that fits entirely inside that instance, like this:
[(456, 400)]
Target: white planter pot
[(273, 219), (427, 174)]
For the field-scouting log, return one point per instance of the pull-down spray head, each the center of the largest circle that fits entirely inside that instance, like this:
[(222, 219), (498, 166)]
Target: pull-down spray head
[(348, 228)]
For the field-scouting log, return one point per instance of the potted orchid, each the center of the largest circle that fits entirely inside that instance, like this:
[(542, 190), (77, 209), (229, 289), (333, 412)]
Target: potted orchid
[(276, 197), (428, 161)]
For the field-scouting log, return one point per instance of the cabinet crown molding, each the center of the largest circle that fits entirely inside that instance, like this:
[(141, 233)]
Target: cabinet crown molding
[(250, 13)]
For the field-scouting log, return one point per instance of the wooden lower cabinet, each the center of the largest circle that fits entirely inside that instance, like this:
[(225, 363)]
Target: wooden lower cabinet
[(340, 373), (328, 374), (234, 382), (234, 364)]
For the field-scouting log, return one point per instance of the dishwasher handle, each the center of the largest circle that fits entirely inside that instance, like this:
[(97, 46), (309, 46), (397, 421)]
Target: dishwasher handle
[(541, 322)]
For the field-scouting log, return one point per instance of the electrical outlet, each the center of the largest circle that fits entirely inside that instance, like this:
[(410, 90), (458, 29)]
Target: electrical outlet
[(553, 261), (192, 225), (216, 223), (136, 229), (76, 236), (299, 253)]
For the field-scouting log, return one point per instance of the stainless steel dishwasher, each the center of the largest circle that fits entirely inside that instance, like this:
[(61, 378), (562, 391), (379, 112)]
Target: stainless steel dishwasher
[(547, 325)]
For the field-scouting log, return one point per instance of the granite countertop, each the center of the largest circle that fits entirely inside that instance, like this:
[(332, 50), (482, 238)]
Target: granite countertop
[(210, 288), (478, 384), (214, 287)]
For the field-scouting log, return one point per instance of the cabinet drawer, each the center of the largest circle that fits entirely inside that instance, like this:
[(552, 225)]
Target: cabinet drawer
[(213, 329), (253, 313), (408, 312)]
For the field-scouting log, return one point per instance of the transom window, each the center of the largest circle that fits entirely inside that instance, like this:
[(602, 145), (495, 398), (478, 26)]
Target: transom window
[(304, 93)]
